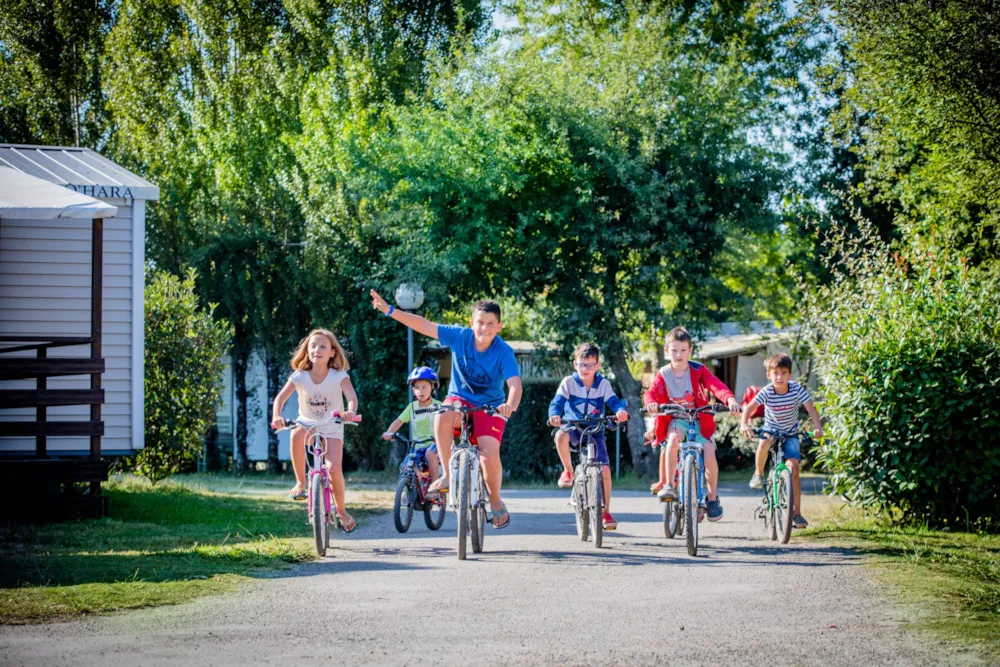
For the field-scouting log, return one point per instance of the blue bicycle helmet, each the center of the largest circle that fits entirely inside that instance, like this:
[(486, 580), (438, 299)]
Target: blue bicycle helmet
[(423, 373)]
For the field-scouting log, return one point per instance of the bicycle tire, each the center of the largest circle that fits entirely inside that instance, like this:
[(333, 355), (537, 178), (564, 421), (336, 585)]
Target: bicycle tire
[(691, 505), (582, 515), (319, 523), (462, 503), (670, 519), (772, 516), (479, 518), (784, 508), (434, 511), (595, 490), (402, 515)]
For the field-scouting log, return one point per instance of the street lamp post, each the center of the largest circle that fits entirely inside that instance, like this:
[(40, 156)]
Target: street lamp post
[(409, 297)]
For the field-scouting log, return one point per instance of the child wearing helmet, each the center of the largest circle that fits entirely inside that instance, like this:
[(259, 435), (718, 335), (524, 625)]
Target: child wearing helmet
[(424, 383)]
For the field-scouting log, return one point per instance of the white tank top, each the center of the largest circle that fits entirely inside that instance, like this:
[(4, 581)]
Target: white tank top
[(317, 401)]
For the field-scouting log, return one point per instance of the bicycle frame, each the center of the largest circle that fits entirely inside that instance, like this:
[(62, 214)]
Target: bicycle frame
[(466, 445), (691, 447)]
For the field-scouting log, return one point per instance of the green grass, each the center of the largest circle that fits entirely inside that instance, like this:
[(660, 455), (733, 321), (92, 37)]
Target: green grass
[(954, 576), (160, 545)]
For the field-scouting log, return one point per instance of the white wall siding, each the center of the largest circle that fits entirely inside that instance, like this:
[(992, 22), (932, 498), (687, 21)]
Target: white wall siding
[(45, 290)]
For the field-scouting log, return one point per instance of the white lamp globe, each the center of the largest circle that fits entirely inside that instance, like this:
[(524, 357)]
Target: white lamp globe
[(409, 296)]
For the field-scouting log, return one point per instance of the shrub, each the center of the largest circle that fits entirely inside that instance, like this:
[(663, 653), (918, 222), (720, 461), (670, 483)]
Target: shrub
[(910, 352), (528, 451), (185, 351)]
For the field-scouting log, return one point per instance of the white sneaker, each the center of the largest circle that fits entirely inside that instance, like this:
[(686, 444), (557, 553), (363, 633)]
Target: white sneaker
[(667, 494), (756, 482)]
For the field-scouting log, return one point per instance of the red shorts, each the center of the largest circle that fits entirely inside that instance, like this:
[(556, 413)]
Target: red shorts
[(483, 424)]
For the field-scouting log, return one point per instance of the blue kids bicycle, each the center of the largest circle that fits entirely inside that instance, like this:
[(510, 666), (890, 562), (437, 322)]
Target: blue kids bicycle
[(682, 515)]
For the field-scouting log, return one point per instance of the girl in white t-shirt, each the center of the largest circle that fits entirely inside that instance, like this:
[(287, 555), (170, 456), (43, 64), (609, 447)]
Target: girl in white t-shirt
[(320, 378)]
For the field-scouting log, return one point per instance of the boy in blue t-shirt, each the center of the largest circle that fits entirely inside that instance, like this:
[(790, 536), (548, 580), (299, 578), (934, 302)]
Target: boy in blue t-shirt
[(481, 362)]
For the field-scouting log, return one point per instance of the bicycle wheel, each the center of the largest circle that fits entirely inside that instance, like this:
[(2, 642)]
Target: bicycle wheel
[(434, 511), (770, 516), (462, 503), (595, 489), (691, 505), (582, 515), (402, 504), (784, 508), (670, 519), (319, 523), (479, 517)]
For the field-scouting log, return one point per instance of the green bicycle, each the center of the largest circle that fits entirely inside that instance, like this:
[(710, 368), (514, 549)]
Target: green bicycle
[(776, 508)]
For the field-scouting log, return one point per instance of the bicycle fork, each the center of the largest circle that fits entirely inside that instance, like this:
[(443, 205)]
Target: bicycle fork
[(454, 464)]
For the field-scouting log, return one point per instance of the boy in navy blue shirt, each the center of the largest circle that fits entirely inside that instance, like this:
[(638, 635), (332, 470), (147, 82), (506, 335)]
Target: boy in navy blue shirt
[(581, 395), (481, 362)]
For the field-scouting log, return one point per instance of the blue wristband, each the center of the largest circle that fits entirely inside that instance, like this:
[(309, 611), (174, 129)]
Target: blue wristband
[(391, 308)]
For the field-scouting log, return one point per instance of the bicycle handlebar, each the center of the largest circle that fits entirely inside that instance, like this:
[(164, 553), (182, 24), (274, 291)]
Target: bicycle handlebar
[(674, 409), (463, 409), (334, 418), (408, 441), (768, 435), (593, 424)]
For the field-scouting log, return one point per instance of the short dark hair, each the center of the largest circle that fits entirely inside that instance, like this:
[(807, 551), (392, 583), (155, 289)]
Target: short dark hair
[(677, 334), (780, 360), (587, 350), (487, 306)]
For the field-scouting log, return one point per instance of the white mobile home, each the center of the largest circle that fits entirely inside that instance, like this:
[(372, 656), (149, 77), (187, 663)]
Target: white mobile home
[(45, 291)]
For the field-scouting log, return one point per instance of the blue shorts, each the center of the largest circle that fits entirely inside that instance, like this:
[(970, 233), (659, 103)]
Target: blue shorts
[(793, 448), (600, 446)]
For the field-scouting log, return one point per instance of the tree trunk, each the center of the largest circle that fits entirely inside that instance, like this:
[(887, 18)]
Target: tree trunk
[(213, 461), (273, 382), (642, 461), (241, 358)]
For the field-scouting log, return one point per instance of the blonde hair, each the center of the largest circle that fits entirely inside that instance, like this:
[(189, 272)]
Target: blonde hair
[(338, 360)]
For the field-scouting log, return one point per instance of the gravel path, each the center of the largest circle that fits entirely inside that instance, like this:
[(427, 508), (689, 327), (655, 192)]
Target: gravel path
[(537, 596)]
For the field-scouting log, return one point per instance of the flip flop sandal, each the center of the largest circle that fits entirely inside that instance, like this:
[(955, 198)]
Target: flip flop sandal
[(435, 493), (503, 514), (301, 494), (343, 524)]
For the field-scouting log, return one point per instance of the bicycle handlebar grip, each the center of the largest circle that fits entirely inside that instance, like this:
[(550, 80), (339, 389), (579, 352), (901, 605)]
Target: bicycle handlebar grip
[(356, 420)]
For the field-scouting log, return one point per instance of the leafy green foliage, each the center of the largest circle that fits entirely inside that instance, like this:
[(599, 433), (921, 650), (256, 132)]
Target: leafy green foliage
[(910, 352), (50, 72), (185, 350), (529, 452)]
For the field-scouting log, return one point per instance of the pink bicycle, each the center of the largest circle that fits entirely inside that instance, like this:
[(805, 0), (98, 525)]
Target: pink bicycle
[(322, 508)]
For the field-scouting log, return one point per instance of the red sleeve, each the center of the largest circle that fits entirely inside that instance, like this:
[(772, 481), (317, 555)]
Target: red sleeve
[(658, 392), (715, 385)]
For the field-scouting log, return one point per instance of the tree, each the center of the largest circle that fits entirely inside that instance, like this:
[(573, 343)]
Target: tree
[(921, 85), (600, 167), (50, 72)]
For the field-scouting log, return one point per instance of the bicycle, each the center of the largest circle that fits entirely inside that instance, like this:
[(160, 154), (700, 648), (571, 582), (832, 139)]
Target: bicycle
[(588, 482), (776, 508), (469, 504), (411, 489), (683, 516), (320, 493)]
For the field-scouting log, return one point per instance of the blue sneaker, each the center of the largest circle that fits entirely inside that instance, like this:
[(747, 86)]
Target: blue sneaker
[(714, 509)]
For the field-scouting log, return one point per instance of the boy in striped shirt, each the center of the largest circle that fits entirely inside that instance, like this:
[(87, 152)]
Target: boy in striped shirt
[(781, 400)]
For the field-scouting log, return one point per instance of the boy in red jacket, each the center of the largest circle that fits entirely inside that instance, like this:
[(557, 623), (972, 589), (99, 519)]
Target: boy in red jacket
[(689, 384)]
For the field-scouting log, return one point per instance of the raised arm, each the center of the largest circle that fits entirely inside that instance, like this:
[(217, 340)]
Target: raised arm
[(415, 322)]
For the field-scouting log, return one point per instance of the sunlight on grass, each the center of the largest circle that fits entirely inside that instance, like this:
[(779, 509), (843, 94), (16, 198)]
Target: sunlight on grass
[(955, 576), (161, 544)]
